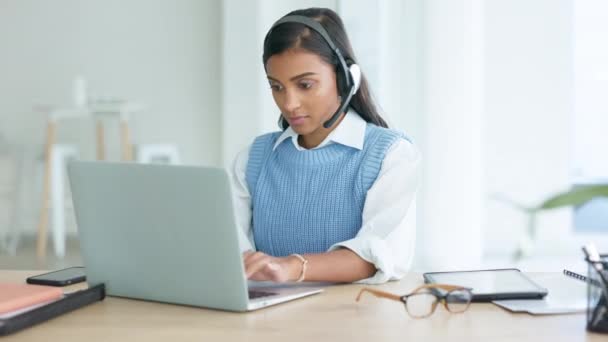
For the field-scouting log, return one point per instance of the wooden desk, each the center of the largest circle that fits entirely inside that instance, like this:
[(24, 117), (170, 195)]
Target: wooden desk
[(331, 316)]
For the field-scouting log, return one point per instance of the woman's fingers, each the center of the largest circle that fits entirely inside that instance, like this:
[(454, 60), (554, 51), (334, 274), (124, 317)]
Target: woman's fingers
[(262, 267), (265, 268), (277, 272), (271, 271), (253, 258), (257, 267), (254, 261)]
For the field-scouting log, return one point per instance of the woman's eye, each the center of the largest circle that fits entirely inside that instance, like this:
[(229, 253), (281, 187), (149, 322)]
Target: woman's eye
[(275, 87), (305, 85)]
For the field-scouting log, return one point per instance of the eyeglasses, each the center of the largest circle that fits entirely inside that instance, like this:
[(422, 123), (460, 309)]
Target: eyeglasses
[(423, 301)]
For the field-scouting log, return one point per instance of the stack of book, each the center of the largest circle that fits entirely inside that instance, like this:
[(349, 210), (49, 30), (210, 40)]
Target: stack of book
[(23, 305)]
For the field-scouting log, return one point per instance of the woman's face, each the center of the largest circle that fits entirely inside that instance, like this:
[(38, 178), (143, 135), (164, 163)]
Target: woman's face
[(304, 88)]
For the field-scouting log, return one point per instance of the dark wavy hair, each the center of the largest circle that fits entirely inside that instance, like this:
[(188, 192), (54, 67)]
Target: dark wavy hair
[(295, 35)]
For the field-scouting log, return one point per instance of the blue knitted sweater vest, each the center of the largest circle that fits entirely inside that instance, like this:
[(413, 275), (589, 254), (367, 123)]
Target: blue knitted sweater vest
[(307, 201)]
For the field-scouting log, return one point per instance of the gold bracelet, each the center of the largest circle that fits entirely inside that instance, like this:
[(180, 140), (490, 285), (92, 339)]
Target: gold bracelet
[(304, 263)]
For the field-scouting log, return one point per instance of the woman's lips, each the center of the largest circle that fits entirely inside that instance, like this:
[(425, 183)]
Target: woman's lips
[(297, 120)]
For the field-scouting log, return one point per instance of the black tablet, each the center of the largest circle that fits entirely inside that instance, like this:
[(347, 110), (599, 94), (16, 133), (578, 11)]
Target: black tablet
[(488, 285)]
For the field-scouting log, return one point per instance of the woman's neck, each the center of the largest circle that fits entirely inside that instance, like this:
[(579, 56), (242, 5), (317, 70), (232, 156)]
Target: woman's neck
[(316, 137)]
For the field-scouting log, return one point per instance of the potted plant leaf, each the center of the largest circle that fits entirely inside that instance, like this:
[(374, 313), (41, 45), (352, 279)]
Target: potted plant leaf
[(575, 197)]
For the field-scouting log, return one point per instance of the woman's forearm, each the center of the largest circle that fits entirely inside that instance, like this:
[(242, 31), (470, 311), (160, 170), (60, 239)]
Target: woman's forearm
[(341, 266)]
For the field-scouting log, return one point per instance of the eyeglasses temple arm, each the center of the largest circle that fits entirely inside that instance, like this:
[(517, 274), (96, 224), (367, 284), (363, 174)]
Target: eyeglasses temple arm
[(378, 293), (440, 286)]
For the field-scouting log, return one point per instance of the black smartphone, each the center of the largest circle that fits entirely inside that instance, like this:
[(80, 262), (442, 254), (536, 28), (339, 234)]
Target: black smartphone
[(67, 276)]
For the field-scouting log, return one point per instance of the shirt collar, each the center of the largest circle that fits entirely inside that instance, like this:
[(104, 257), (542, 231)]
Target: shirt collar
[(350, 132)]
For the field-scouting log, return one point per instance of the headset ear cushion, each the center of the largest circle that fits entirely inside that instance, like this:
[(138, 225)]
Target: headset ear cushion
[(355, 73), (355, 78), (342, 82)]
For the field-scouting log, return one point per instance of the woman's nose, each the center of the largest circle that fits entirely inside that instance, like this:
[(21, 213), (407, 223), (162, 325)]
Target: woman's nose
[(292, 101)]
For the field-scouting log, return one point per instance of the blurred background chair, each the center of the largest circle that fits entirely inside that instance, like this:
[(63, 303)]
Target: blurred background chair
[(61, 154), (58, 155)]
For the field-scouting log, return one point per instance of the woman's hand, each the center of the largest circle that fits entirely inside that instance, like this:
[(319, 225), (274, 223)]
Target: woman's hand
[(263, 267)]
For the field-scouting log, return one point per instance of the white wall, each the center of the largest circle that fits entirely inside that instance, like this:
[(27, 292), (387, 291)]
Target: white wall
[(164, 54), (450, 142), (591, 86), (528, 115)]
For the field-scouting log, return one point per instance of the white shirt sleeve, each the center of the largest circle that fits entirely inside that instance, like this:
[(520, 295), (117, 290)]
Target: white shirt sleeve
[(241, 200), (388, 231)]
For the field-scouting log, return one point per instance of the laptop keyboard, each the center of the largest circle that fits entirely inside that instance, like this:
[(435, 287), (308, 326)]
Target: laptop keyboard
[(253, 294)]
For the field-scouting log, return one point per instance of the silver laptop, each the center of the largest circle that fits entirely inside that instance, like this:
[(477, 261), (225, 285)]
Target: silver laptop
[(167, 234)]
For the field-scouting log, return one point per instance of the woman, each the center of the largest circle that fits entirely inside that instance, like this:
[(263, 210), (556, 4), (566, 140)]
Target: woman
[(329, 198)]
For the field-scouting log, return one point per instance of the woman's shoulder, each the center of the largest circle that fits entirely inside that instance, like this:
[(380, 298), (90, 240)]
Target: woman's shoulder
[(263, 144), (394, 142), (388, 133), (266, 138)]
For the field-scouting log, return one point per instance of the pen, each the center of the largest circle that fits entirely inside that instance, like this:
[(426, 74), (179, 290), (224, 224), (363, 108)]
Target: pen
[(594, 258)]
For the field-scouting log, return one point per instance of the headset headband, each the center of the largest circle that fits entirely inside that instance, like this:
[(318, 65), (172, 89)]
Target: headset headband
[(306, 21)]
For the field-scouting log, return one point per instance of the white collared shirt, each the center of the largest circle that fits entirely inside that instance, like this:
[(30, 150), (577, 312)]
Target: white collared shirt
[(388, 230)]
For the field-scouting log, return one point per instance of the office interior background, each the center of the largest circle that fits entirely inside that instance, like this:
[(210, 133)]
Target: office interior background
[(506, 99)]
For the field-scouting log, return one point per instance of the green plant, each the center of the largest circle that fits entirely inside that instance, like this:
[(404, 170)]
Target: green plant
[(575, 197)]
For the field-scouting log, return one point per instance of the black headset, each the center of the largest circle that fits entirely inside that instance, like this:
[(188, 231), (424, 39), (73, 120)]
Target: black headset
[(348, 75)]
